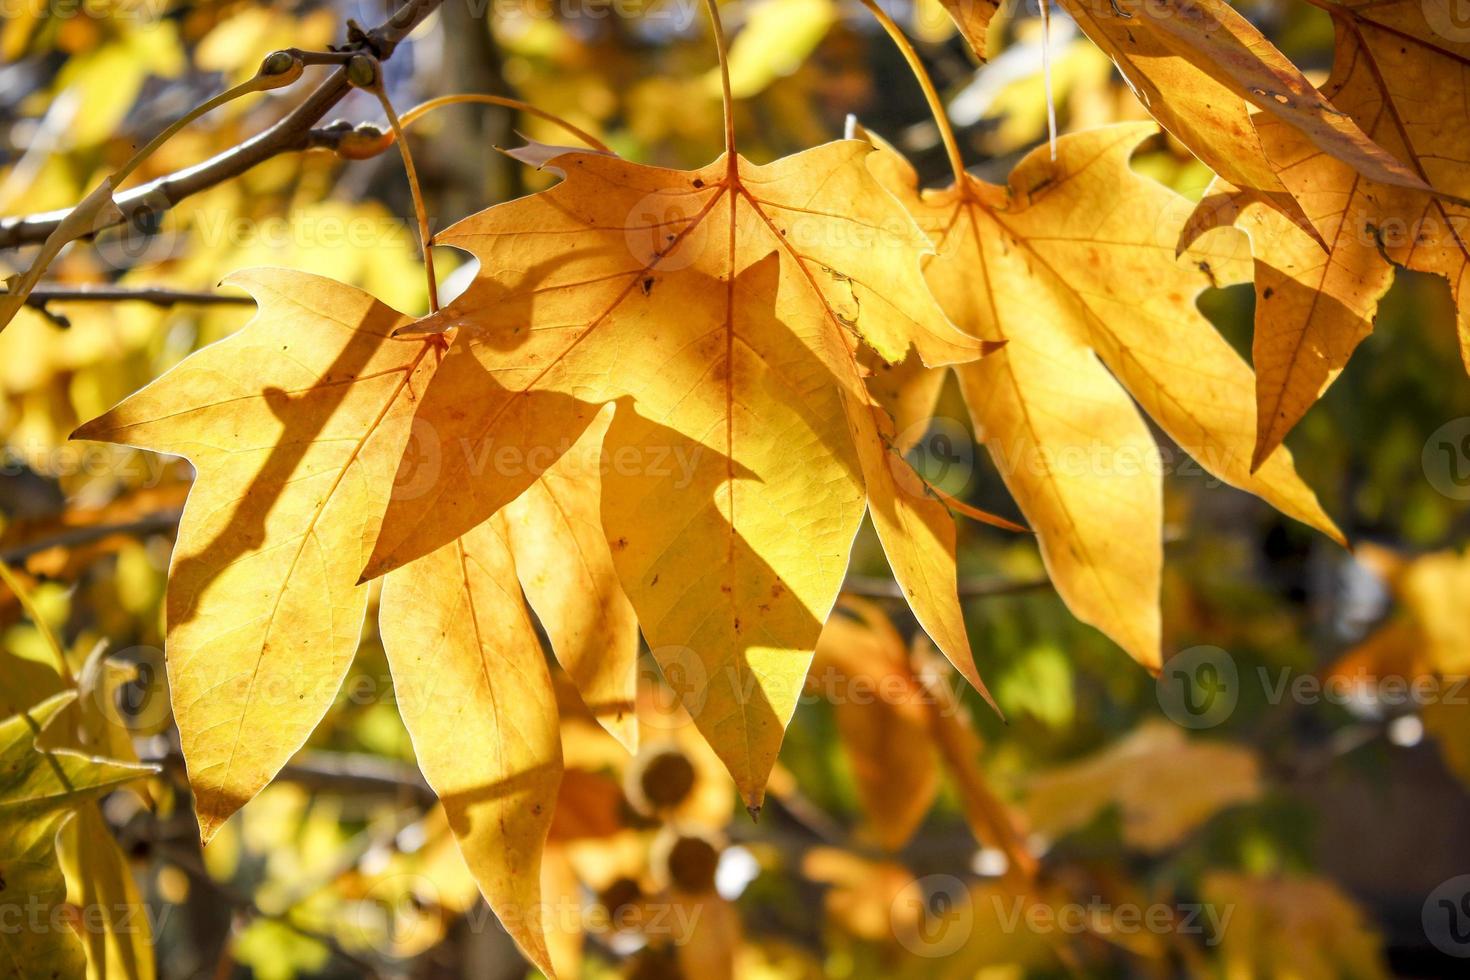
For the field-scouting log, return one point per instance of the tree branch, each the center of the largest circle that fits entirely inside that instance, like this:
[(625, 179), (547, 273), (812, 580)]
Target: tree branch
[(871, 586), (293, 133), (155, 295), (876, 587), (160, 523), (346, 773)]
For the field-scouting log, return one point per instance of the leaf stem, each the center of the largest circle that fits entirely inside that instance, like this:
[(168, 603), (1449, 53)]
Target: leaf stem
[(724, 54), (34, 614), (1051, 105), (420, 212), (423, 108), (973, 513), (277, 70), (931, 95)]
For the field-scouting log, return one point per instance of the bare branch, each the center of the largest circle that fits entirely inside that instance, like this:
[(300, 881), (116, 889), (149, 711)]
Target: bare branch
[(293, 133), (160, 523), (876, 587), (154, 295), (348, 773)]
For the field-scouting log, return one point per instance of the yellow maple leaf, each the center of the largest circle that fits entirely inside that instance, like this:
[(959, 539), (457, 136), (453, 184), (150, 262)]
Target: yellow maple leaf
[(1400, 77), (39, 791), (474, 692), (1093, 307), (1153, 777), (295, 426), (718, 308), (566, 568), (1204, 71)]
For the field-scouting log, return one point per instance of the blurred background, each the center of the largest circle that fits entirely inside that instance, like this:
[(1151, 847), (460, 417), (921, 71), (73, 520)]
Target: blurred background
[(1287, 825)]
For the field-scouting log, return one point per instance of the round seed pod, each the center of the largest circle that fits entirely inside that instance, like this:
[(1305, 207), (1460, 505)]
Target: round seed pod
[(687, 860), (660, 778)]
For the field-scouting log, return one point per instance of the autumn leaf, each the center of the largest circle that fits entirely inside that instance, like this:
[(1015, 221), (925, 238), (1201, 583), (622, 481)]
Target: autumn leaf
[(1204, 71), (1419, 657), (294, 426), (474, 692), (98, 876), (100, 881), (973, 18), (1401, 79), (718, 308), (1093, 307), (882, 717), (566, 568), (1153, 777), (39, 790), (993, 822), (1269, 915)]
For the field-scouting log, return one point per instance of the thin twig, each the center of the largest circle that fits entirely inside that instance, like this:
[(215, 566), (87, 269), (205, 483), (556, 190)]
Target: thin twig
[(160, 523), (931, 94), (154, 295), (342, 772), (877, 587), (294, 132), (190, 865)]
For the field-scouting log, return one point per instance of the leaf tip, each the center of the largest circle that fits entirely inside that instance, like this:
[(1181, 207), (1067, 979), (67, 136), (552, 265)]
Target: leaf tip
[(86, 431), (754, 811), (208, 827)]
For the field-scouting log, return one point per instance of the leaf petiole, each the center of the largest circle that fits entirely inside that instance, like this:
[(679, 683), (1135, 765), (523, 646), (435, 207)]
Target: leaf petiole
[(724, 54), (365, 72), (931, 95)]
